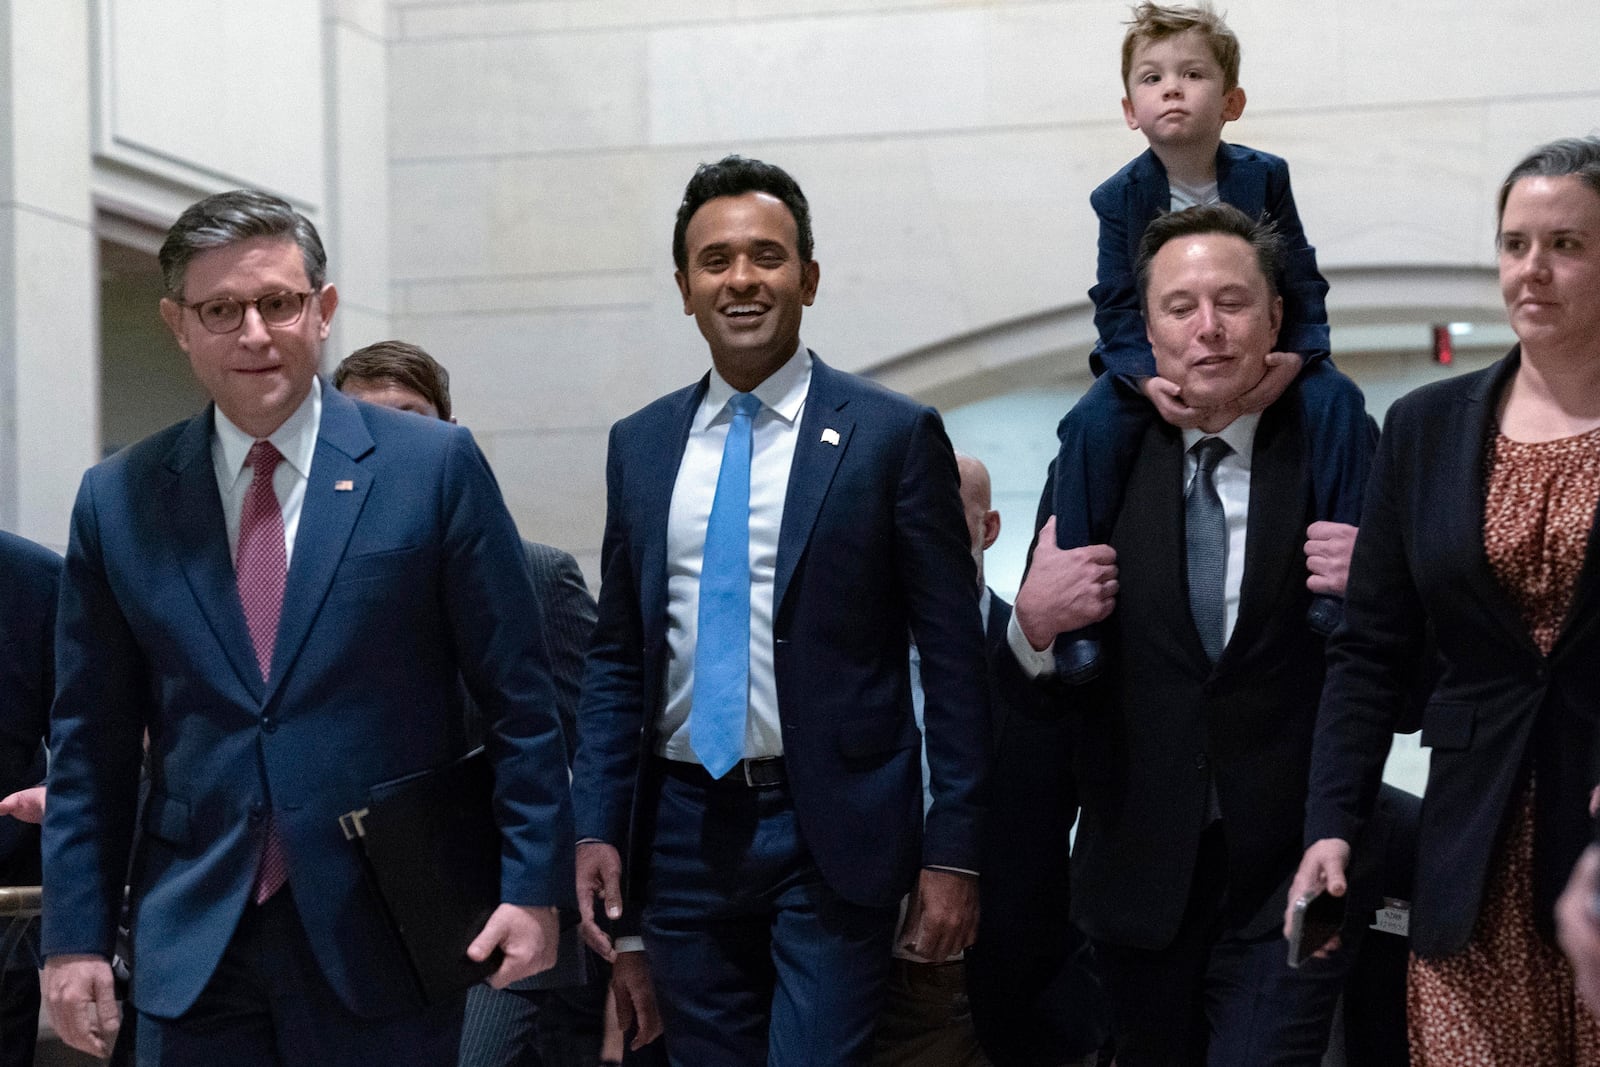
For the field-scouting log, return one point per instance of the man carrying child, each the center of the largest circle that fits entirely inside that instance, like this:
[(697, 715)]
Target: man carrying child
[(1180, 71)]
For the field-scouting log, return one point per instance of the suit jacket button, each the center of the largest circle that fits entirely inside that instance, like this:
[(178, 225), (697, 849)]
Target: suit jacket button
[(1200, 762), (269, 725)]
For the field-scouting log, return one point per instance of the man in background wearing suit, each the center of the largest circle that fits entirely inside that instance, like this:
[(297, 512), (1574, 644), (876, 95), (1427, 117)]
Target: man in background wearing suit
[(1036, 996), (555, 1018), (1024, 993), (776, 534), (927, 1017), (1193, 750), (286, 591), (30, 576), (402, 376)]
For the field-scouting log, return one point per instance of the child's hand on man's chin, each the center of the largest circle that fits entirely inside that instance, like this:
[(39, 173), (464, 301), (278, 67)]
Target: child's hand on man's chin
[(1167, 396), (1282, 368)]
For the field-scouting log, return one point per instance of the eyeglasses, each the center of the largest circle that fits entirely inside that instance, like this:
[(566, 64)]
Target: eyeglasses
[(225, 314)]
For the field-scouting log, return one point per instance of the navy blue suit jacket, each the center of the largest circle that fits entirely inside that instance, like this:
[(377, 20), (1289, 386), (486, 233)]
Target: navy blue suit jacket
[(568, 610), (1499, 707), (30, 575), (872, 548), (407, 577), (1256, 183)]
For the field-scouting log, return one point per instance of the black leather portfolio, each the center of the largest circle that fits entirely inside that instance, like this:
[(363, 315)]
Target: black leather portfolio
[(433, 853)]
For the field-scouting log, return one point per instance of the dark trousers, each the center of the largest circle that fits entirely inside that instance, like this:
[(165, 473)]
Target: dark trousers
[(530, 1028), (755, 958), (1100, 436), (927, 1018), (268, 1005), (19, 994), (1214, 998), (560, 1027)]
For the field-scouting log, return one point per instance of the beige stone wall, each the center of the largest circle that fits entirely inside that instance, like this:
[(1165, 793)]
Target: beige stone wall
[(496, 179), (114, 116), (47, 291), (538, 148)]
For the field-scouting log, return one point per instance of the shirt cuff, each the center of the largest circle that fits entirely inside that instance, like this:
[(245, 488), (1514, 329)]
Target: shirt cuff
[(1034, 664), (632, 943), (952, 870)]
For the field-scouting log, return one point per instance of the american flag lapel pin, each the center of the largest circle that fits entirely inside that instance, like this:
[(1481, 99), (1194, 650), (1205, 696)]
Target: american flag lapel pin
[(344, 485), (830, 436)]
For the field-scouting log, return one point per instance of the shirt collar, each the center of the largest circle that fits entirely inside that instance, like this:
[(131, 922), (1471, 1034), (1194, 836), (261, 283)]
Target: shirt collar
[(295, 438), (1239, 435), (783, 391)]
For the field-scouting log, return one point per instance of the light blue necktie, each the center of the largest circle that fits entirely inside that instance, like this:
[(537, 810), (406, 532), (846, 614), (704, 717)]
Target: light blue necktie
[(722, 643)]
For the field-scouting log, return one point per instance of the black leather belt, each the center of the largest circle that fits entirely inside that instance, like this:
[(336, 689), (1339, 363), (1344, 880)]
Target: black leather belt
[(747, 773)]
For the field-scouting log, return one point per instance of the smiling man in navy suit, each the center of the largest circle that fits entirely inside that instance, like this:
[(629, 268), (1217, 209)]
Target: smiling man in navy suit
[(776, 534), (284, 592)]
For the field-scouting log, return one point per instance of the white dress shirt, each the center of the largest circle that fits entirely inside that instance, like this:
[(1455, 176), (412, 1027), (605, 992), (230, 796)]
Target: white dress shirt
[(1232, 479), (296, 439), (774, 432)]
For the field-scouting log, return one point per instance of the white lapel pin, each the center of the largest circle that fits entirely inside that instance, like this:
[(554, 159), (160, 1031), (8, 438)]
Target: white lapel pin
[(344, 485), (830, 436)]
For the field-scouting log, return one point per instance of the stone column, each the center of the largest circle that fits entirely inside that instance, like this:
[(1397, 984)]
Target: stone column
[(49, 361), (355, 219)]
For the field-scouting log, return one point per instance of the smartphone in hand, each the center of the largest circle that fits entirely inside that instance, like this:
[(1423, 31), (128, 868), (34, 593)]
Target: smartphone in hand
[(1315, 920)]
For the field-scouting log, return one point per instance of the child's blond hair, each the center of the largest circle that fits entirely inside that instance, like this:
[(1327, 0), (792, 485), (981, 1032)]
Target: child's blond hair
[(1155, 22)]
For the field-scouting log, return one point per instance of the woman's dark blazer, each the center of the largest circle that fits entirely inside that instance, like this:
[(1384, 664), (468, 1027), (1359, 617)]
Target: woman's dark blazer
[(1500, 708)]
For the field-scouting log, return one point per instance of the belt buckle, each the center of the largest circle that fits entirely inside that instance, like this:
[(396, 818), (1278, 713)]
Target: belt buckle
[(746, 766)]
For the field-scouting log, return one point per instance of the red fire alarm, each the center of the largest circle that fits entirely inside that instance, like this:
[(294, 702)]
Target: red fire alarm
[(1444, 349)]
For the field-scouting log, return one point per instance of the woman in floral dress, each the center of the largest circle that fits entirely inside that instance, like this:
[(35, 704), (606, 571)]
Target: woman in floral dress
[(1480, 524)]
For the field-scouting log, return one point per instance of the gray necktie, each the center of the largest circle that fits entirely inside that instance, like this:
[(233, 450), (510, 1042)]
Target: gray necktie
[(1206, 540)]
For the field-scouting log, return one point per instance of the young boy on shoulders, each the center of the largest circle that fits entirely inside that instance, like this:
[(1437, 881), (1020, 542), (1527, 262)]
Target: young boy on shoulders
[(1180, 70)]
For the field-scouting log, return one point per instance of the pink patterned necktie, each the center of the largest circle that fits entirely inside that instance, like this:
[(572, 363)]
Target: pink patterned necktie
[(262, 566)]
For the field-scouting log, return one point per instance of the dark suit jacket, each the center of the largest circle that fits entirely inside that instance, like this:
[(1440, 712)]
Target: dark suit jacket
[(567, 610), (1036, 999), (873, 547), (1499, 708), (407, 576), (1256, 183), (1162, 719), (30, 576), (568, 613)]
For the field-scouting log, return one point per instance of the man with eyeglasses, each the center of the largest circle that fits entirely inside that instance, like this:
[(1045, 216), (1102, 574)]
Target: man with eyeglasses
[(283, 591)]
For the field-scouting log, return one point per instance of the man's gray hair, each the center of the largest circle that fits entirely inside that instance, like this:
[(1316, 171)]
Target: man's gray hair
[(228, 218)]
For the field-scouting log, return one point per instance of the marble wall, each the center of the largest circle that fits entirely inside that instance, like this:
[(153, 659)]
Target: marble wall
[(114, 116), (496, 180), (538, 149), (48, 365)]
